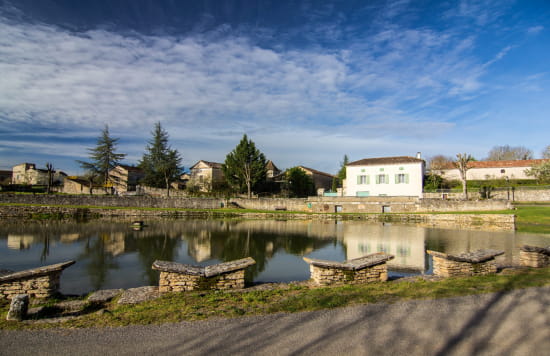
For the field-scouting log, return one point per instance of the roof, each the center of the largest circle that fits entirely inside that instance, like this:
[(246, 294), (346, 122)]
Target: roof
[(385, 161), (209, 164), (271, 166), (130, 168), (499, 164), (314, 171)]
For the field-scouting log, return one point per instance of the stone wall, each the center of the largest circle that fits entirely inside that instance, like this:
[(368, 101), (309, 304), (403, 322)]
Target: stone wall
[(517, 194), (114, 201), (537, 257), (178, 282), (325, 276), (177, 277), (480, 262), (42, 282)]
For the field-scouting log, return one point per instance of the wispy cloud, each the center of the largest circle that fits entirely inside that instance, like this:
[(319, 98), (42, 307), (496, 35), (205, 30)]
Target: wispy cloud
[(378, 86)]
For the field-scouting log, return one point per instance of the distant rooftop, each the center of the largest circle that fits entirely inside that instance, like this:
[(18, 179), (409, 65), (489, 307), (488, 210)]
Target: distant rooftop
[(385, 160)]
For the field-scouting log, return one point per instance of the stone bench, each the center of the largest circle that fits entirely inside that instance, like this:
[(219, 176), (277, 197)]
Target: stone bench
[(366, 269), (41, 282), (177, 277), (533, 256), (479, 262)]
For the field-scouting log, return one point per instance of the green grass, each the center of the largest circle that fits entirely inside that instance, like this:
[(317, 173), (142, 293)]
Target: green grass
[(189, 306)]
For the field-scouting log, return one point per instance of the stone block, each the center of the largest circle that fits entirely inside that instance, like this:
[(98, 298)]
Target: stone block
[(18, 307)]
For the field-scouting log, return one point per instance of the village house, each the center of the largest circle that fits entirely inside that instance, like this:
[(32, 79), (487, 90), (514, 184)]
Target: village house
[(321, 180), (206, 175), (125, 178), (486, 170), (27, 173), (74, 185), (385, 176), (271, 170)]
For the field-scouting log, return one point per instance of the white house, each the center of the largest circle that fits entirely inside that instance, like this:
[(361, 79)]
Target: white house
[(385, 176), (484, 170)]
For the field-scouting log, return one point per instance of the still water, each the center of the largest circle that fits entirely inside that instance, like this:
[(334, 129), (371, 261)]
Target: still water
[(110, 254)]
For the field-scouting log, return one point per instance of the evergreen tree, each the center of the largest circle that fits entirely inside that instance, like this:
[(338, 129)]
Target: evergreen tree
[(103, 157), (342, 172), (244, 167), (160, 163)]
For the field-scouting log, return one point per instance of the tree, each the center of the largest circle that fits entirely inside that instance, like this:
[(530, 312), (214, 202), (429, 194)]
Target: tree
[(507, 153), (50, 170), (439, 162), (103, 157), (462, 160), (342, 172), (244, 167), (546, 152), (541, 172), (160, 163), (300, 183)]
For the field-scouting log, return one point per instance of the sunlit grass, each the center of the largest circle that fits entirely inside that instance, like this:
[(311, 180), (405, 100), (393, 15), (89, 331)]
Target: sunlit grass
[(190, 306)]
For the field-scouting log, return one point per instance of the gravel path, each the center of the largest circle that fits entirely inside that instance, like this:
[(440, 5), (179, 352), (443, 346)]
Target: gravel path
[(513, 323)]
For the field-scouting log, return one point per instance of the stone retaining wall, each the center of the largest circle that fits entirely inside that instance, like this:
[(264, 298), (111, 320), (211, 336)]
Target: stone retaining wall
[(42, 282), (537, 257), (480, 262)]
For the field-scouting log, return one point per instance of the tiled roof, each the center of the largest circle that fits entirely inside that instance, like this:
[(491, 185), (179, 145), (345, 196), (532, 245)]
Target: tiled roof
[(209, 164), (316, 171), (499, 164), (271, 166), (385, 160)]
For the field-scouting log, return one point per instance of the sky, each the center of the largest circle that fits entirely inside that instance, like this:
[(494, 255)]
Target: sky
[(307, 81)]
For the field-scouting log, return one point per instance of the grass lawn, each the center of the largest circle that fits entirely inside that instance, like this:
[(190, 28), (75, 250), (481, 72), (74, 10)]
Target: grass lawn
[(188, 306)]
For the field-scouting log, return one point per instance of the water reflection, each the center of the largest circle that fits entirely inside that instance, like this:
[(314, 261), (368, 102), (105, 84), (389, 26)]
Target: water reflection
[(111, 254)]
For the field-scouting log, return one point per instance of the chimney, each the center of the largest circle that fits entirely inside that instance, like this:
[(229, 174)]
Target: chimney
[(418, 155)]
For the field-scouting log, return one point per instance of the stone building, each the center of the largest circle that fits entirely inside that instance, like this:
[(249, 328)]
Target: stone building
[(485, 170), (27, 173), (206, 175), (125, 178), (321, 180), (271, 170)]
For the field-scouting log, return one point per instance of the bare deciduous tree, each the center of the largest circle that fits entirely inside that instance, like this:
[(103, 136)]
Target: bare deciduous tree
[(462, 161), (508, 153)]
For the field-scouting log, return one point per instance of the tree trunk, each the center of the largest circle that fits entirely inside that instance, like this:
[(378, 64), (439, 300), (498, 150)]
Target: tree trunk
[(464, 189)]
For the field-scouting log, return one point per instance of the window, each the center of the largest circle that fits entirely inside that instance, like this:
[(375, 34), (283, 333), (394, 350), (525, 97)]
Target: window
[(382, 179), (502, 171), (363, 179), (401, 178)]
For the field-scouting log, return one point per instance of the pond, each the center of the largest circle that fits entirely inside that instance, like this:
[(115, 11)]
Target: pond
[(111, 254)]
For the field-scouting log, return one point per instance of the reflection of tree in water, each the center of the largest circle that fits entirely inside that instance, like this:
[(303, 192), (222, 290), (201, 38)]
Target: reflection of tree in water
[(45, 248), (233, 245), (155, 247), (100, 260)]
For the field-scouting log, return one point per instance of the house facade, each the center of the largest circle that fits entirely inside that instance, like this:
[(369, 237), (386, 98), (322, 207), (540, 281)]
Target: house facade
[(206, 175), (27, 173), (271, 170), (485, 170), (125, 178), (385, 176), (321, 180)]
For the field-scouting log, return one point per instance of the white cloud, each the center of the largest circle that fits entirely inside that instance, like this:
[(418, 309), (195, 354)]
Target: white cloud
[(208, 93), (535, 30)]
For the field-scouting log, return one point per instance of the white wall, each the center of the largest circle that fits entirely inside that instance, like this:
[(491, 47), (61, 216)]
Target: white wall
[(413, 187), (487, 173)]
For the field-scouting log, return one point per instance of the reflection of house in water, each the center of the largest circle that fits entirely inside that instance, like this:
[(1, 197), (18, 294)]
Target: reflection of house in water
[(20, 242), (114, 243), (406, 243), (200, 247), (69, 238)]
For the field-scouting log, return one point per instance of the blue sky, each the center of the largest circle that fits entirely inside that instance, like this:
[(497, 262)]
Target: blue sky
[(307, 81)]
